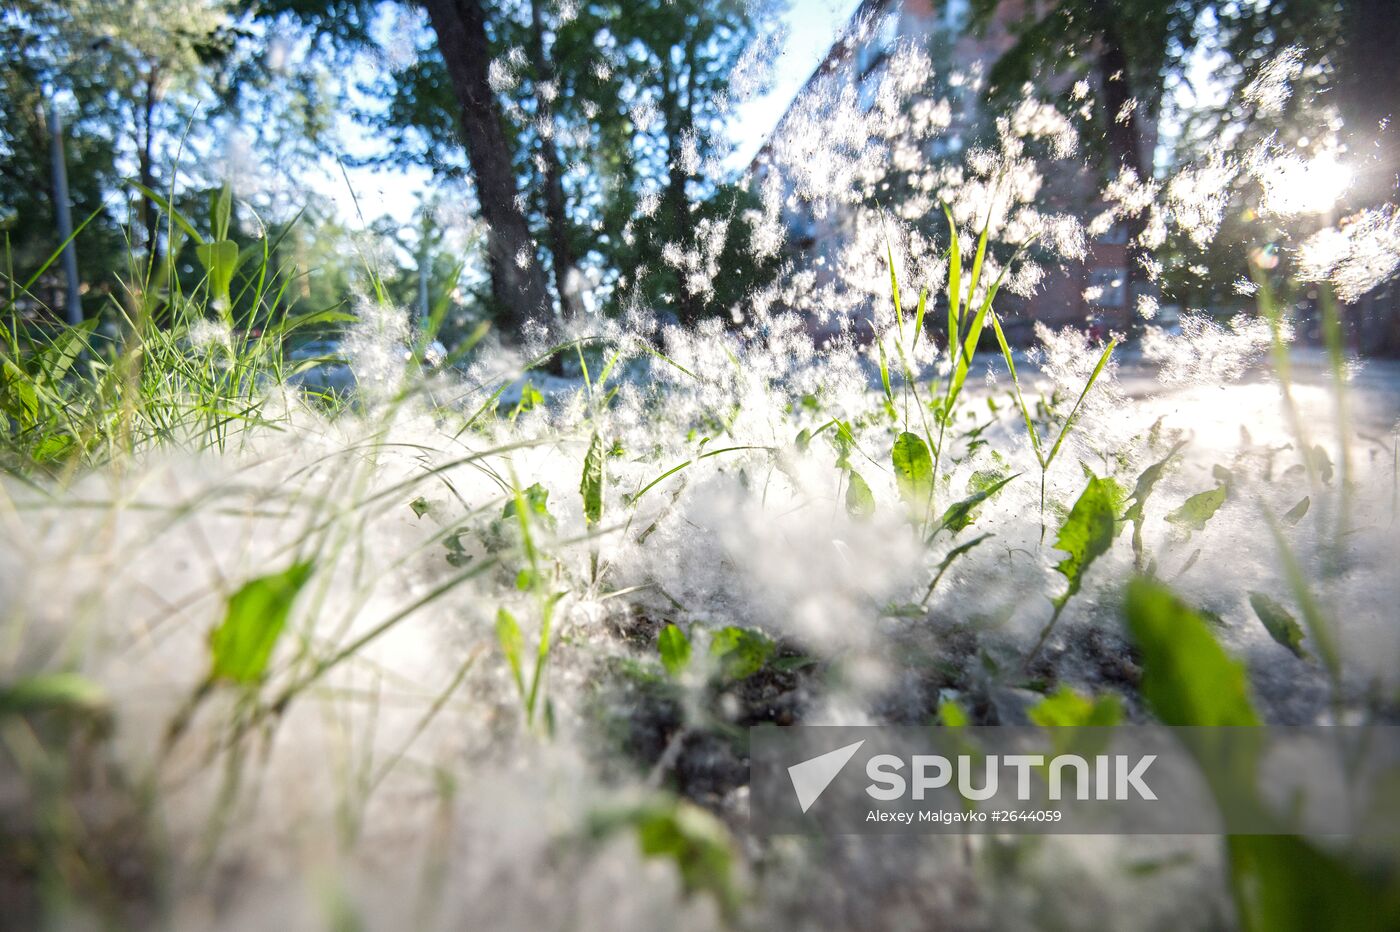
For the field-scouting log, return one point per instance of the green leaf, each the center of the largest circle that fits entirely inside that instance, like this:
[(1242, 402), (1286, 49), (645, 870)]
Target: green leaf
[(792, 663), (1079, 403), (845, 442), (20, 399), (220, 260), (951, 714), (919, 317), (1016, 392), (1198, 509), (1087, 532), (242, 644), (1187, 678), (697, 843), (530, 398), (954, 283), (1286, 883), (894, 288), (885, 376), (52, 447), (536, 504), (1296, 513), (860, 502), (960, 514), (1279, 622), (1319, 625), (741, 653), (947, 561), (69, 692), (674, 647), (1279, 882), (1067, 708), (220, 211), (591, 485), (512, 645), (913, 470), (1146, 482), (420, 506), (180, 220)]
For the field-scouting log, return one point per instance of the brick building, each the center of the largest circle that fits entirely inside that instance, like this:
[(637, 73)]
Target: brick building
[(942, 27)]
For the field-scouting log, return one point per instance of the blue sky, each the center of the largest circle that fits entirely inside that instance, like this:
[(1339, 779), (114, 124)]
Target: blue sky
[(811, 27)]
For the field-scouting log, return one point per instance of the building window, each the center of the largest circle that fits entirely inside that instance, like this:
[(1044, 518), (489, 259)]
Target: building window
[(1108, 287)]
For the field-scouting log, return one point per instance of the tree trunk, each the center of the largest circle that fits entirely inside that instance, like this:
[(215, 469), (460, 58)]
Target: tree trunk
[(150, 220), (519, 291), (679, 123), (1125, 151), (554, 204)]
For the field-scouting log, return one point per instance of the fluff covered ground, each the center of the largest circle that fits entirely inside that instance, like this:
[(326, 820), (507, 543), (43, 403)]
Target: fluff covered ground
[(388, 765)]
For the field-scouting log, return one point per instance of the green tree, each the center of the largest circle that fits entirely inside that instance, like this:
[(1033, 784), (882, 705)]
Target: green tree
[(1125, 49), (121, 75), (607, 112)]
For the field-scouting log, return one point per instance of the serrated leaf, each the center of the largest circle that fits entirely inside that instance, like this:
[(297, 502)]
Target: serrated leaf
[(860, 502), (913, 470), (1087, 532), (1280, 623), (1146, 481), (536, 501), (241, 646), (591, 485), (674, 648)]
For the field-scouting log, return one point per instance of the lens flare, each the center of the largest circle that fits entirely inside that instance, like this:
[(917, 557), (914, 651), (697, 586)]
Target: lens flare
[(1296, 186)]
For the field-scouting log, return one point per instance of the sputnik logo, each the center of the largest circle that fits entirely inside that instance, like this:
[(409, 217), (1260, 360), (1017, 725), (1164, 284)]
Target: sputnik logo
[(811, 777)]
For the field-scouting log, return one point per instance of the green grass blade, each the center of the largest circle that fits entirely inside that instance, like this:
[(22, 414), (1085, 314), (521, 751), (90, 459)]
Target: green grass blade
[(1074, 413), (1016, 390)]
